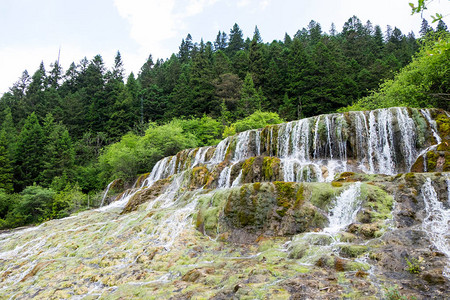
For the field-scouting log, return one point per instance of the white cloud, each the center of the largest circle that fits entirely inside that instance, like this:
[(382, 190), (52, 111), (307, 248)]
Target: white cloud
[(264, 4), (242, 3), (153, 22)]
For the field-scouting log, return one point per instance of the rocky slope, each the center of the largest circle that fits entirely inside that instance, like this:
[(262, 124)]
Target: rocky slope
[(293, 211)]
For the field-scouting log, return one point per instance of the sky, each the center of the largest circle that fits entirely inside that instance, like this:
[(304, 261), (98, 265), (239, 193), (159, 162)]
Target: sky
[(32, 31)]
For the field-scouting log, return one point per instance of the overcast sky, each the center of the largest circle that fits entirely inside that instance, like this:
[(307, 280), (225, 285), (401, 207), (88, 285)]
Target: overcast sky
[(32, 31)]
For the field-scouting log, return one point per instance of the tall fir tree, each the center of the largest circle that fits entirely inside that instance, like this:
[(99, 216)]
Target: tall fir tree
[(29, 156), (236, 42), (6, 170)]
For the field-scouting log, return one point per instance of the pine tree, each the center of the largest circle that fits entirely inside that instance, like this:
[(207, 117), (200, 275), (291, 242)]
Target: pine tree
[(29, 156), (59, 152), (6, 170), (118, 70), (250, 97), (441, 26), (145, 76), (186, 48), (55, 75), (236, 41), (424, 28), (256, 60)]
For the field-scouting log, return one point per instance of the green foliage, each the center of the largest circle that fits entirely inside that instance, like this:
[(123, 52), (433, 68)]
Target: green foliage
[(29, 155), (413, 265), (206, 130), (36, 203), (66, 201), (423, 83), (392, 293), (258, 119), (6, 170), (133, 154)]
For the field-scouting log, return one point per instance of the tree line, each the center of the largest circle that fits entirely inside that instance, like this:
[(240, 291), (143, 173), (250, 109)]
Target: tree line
[(65, 134)]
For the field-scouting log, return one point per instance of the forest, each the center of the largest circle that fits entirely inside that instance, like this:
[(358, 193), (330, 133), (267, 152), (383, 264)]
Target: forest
[(66, 134)]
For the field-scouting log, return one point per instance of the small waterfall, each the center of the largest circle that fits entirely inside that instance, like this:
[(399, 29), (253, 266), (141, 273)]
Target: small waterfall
[(238, 180), (225, 177), (363, 152), (346, 207), (242, 150), (381, 140), (437, 221), (106, 192), (258, 142), (342, 146), (433, 126), (221, 150), (316, 137), (121, 202), (447, 180), (329, 142), (157, 172), (408, 133)]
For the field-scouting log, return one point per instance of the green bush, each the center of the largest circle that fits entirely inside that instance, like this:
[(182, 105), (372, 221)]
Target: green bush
[(258, 119), (425, 82)]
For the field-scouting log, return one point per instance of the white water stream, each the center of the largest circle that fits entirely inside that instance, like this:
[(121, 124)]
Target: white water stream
[(437, 221)]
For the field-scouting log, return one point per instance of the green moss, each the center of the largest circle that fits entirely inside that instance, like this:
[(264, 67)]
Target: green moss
[(321, 194), (353, 250), (379, 201), (299, 197), (346, 175), (443, 124), (446, 167), (247, 165), (444, 146), (356, 266), (200, 177), (269, 164), (432, 158), (285, 196), (336, 184)]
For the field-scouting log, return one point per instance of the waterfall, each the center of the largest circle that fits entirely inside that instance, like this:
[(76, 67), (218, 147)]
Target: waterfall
[(408, 133), (238, 180), (106, 192), (365, 156), (329, 143), (242, 150), (157, 172), (225, 177), (437, 221), (316, 136), (258, 142), (221, 150), (427, 115), (200, 156), (345, 208)]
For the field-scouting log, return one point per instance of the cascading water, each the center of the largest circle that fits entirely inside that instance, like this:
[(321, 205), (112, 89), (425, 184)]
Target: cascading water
[(427, 115), (345, 208), (106, 193), (437, 222)]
